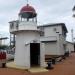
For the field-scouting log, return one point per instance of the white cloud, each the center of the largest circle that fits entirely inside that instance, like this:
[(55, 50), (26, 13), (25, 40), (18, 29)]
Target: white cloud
[(48, 11)]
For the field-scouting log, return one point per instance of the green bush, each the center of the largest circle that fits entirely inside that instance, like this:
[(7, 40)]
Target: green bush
[(3, 47)]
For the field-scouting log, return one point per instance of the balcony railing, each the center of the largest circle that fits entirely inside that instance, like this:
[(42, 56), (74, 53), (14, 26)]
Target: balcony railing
[(17, 26)]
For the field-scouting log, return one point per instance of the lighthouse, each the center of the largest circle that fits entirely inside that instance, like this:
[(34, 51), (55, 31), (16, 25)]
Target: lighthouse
[(29, 51)]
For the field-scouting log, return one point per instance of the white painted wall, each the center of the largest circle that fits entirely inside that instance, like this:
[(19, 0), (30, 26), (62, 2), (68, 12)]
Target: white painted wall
[(49, 38), (51, 48), (54, 48), (50, 31), (22, 52), (30, 25), (62, 45), (42, 54), (26, 33), (69, 47)]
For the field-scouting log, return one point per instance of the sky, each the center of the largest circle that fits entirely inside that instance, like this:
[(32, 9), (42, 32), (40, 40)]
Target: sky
[(49, 11)]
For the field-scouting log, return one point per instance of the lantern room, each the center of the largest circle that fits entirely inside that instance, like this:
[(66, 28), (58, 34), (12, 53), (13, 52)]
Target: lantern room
[(27, 13)]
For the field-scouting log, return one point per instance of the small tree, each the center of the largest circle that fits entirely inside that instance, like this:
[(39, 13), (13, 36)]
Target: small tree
[(3, 47)]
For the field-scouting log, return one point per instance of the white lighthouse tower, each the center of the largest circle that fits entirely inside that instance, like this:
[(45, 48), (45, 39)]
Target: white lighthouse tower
[(29, 51)]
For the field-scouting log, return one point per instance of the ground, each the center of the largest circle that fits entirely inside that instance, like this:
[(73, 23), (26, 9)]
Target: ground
[(66, 67)]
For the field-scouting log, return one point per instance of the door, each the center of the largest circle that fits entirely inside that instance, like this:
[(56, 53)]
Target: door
[(35, 54)]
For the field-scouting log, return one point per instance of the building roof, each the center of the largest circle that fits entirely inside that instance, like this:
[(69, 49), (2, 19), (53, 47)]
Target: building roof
[(27, 8), (27, 12), (55, 24)]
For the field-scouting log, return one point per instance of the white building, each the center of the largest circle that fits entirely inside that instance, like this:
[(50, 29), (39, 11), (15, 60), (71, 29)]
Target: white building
[(69, 46), (29, 51), (32, 43), (54, 37)]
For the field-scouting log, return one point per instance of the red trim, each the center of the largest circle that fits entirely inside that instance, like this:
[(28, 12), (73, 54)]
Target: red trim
[(27, 9)]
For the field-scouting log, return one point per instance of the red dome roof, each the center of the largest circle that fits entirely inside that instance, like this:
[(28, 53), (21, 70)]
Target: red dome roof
[(27, 9)]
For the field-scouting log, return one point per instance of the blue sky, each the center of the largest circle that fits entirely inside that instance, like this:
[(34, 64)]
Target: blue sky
[(49, 11)]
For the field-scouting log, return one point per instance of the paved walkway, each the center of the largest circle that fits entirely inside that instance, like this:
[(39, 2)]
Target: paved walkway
[(66, 67)]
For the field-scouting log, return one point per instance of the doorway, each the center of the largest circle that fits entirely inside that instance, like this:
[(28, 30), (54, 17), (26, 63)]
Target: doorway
[(34, 54)]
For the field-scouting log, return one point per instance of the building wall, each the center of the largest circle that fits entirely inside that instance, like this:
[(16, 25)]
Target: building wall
[(62, 45), (17, 26), (51, 48), (54, 48), (58, 47), (51, 31), (42, 55), (22, 51), (69, 47)]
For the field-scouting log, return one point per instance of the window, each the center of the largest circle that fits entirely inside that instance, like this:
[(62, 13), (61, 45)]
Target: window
[(17, 25), (42, 31), (11, 25), (42, 34)]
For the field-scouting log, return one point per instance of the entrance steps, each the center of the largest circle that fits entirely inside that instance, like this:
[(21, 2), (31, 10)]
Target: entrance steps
[(32, 69), (14, 66), (37, 70)]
